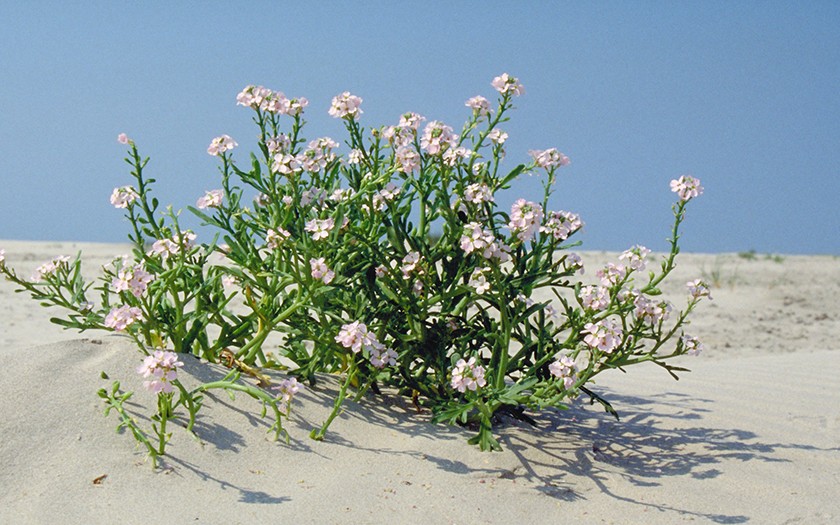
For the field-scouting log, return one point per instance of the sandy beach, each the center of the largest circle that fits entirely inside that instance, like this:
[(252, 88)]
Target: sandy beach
[(750, 435)]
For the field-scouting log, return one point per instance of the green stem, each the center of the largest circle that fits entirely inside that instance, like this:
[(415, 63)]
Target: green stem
[(339, 400)]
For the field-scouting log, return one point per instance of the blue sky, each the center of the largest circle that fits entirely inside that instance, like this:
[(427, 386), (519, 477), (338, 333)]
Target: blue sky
[(743, 95)]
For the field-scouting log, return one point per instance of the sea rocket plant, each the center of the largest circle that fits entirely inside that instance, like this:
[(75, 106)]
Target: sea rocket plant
[(483, 310)]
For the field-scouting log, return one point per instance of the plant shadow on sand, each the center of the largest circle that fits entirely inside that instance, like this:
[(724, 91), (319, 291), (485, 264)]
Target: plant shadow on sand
[(561, 457)]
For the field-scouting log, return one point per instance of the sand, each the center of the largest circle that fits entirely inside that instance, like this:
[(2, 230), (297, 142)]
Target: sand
[(751, 435)]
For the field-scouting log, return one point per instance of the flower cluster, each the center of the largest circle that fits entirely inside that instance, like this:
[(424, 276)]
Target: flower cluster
[(561, 224), (162, 366), (382, 197), (134, 280), (264, 99), (122, 317), (164, 248), (595, 298), (605, 335), (478, 280), (346, 105), (475, 238), (612, 274), (320, 228), (506, 84), (123, 196), (525, 217), (479, 105), (357, 337), (467, 375), (275, 237), (411, 265), (573, 263), (286, 391), (320, 270), (437, 138), (566, 369), (549, 159), (687, 187), (635, 257), (698, 288), (210, 199), (220, 145), (50, 267), (478, 193), (691, 345), (651, 312)]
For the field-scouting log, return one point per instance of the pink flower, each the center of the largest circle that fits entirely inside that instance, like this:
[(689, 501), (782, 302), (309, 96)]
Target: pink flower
[(382, 197), (477, 238), (220, 145), (163, 367), (320, 229), (604, 335), (467, 375), (381, 356), (612, 274), (321, 271), (687, 187), (345, 106), (399, 136), (318, 155), (411, 120), (286, 391), (479, 281), (525, 217), (452, 156), (691, 345), (294, 106), (573, 263), (279, 144), (635, 257), (595, 298), (286, 164), (123, 196), (164, 248), (50, 268), (497, 136), (134, 280), (698, 288), (437, 138), (478, 193), (564, 368), (211, 199), (254, 96), (274, 238), (561, 224), (410, 264), (122, 317), (355, 336), (549, 159), (407, 160), (122, 138), (479, 105), (355, 156), (651, 312), (506, 84)]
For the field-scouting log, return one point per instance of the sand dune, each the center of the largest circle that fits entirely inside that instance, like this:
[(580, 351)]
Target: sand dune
[(751, 435)]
